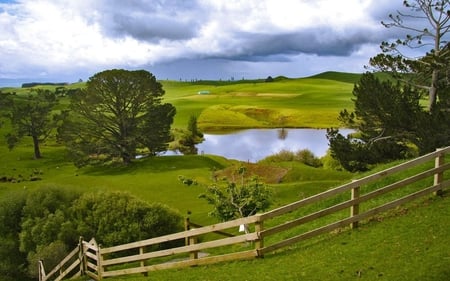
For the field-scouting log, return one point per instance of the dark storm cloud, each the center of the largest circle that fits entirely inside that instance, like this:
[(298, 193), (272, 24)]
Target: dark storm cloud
[(320, 41), (151, 20)]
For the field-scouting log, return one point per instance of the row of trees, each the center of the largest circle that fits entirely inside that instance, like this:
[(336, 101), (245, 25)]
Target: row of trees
[(389, 117), (117, 115)]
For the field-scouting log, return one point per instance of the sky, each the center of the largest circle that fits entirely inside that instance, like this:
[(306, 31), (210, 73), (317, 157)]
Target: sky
[(68, 40)]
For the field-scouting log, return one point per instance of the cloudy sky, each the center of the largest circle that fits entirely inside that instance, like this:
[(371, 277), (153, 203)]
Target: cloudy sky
[(65, 40)]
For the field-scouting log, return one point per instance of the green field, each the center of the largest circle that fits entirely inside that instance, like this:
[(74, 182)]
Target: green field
[(406, 247), (302, 103), (312, 102)]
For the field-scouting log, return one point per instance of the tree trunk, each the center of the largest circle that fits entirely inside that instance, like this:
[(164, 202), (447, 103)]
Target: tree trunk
[(37, 151)]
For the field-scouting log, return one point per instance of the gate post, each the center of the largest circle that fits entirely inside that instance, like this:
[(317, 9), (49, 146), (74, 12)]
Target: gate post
[(41, 270), (438, 177), (81, 256)]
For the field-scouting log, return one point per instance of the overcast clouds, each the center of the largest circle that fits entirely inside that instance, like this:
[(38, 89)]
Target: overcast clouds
[(205, 39)]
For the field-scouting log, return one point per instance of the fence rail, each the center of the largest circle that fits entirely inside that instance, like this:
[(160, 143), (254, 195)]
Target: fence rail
[(145, 256)]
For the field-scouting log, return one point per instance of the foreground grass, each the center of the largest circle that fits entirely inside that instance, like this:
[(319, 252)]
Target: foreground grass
[(411, 243)]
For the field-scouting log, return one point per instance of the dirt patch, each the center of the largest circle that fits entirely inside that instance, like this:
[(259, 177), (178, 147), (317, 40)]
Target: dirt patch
[(278, 95), (266, 173)]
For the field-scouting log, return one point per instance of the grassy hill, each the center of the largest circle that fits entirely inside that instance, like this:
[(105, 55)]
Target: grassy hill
[(414, 246), (409, 244), (303, 102), (312, 102)]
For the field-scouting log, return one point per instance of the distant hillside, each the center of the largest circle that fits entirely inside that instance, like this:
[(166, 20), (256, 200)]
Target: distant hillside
[(339, 76)]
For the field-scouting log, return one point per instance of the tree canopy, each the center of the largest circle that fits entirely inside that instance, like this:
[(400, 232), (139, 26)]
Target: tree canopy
[(388, 116), (237, 200), (30, 116), (431, 39), (118, 113), (46, 223)]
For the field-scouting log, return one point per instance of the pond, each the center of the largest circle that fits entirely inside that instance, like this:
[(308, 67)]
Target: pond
[(255, 144)]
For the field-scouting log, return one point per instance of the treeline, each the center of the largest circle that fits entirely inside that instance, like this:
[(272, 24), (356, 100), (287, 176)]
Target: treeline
[(34, 84)]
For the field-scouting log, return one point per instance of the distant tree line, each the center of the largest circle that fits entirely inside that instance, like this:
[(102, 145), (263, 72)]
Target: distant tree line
[(34, 84)]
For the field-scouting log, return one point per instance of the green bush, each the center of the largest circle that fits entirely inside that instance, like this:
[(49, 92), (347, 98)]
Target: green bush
[(12, 261), (115, 218), (304, 156), (44, 223), (50, 255)]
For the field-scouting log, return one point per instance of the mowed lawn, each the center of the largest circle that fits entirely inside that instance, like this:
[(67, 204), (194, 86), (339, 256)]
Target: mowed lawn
[(301, 103)]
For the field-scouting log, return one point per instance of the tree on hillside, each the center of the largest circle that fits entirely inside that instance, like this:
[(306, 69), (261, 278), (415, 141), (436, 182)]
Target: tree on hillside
[(30, 116), (238, 200), (387, 118), (425, 71), (117, 113), (190, 137)]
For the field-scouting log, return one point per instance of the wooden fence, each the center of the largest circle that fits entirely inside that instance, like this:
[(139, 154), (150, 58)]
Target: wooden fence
[(333, 209)]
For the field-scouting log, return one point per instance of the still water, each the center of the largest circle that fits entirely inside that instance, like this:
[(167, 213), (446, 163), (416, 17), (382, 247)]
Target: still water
[(255, 144)]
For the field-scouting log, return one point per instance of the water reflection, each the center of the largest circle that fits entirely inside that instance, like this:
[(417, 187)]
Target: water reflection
[(255, 144)]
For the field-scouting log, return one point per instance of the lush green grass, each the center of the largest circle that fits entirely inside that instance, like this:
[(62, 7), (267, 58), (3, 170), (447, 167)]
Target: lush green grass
[(304, 102), (410, 244), (406, 247)]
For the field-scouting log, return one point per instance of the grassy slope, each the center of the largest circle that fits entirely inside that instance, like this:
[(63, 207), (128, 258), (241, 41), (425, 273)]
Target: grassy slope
[(415, 246), (303, 102), (381, 251), (146, 179)]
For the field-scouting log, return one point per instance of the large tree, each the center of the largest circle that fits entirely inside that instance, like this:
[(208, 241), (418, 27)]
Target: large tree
[(30, 116), (118, 113), (387, 117), (427, 26)]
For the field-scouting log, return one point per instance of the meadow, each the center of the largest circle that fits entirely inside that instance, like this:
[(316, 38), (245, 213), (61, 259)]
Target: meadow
[(306, 102), (312, 102), (389, 248)]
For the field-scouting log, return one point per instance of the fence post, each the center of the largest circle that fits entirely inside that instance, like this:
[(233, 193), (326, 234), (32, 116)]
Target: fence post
[(41, 270), (194, 254), (141, 252), (81, 256), (187, 227), (354, 209), (259, 244), (100, 268), (438, 177)]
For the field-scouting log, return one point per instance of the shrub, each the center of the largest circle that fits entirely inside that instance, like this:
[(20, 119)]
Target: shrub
[(307, 157), (304, 156), (50, 255), (115, 218), (282, 156), (331, 163)]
